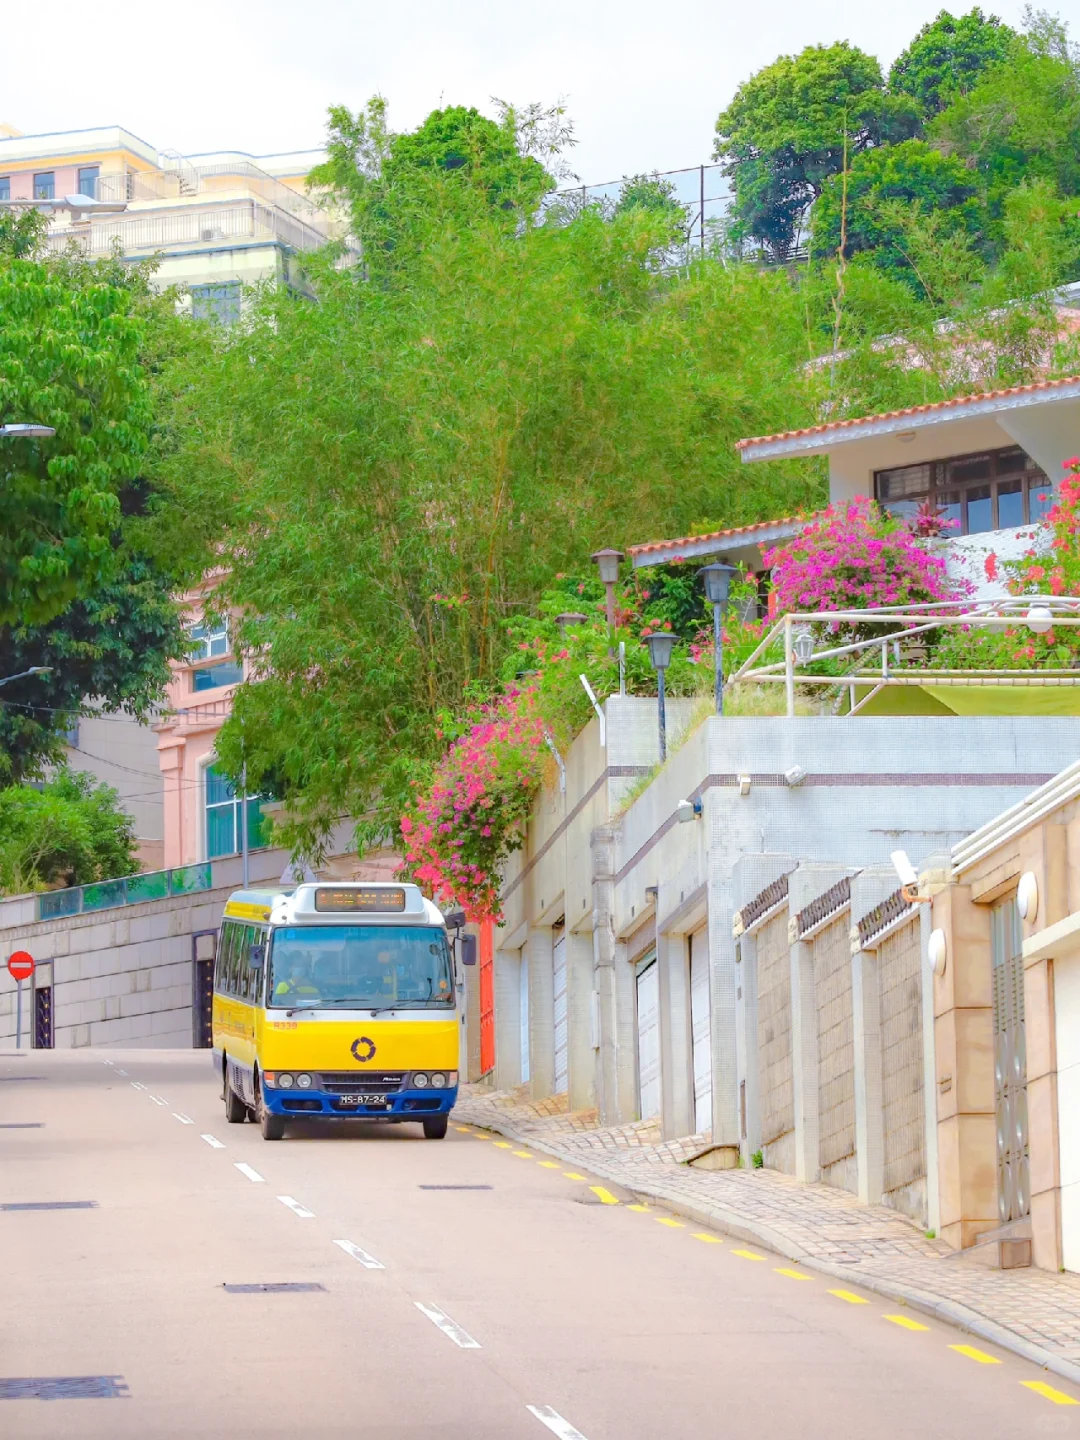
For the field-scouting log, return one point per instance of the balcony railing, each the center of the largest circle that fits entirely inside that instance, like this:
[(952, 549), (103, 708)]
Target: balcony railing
[(217, 225), (131, 890), (183, 180)]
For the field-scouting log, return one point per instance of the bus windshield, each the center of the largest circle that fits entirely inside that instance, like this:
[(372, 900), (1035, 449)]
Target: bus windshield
[(364, 966)]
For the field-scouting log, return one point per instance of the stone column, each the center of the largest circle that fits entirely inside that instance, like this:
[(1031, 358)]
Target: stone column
[(541, 1013), (804, 1060)]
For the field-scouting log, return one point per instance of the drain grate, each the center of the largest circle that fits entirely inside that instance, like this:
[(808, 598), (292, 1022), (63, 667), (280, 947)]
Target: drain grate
[(454, 1187), (52, 1205), (23, 1125), (277, 1287), (66, 1387)]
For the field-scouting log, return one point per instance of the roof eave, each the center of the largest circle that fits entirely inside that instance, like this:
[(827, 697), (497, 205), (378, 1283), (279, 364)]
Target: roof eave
[(821, 444), (698, 547)]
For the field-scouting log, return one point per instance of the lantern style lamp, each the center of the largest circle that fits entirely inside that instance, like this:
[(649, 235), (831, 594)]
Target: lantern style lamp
[(568, 618), (717, 579), (661, 644), (608, 563)]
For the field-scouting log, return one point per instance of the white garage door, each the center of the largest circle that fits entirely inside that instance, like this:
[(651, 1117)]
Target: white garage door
[(700, 1016), (524, 1016), (561, 1017), (648, 1039)]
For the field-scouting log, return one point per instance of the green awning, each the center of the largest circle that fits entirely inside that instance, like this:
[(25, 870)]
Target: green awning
[(972, 700)]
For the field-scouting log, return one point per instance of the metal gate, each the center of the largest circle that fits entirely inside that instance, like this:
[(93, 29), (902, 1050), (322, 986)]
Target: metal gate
[(648, 1038), (701, 1030), (43, 1018), (487, 996), (562, 1027), (1010, 1063)]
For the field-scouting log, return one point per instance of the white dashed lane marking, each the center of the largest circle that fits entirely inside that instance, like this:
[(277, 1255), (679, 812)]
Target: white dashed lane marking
[(184, 1119), (213, 1142), (555, 1422), (449, 1327), (296, 1207), (249, 1172), (361, 1256)]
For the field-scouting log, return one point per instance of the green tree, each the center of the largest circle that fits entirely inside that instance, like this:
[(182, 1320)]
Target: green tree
[(401, 466), (68, 831), (1021, 122), (949, 57), (791, 126), (882, 191)]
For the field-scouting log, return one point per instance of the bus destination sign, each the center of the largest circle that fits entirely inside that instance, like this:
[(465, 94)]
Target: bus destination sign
[(370, 898)]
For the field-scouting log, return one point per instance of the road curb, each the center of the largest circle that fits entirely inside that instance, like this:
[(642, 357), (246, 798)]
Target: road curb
[(951, 1312)]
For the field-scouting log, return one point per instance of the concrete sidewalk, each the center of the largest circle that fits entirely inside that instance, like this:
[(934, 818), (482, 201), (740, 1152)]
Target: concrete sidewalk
[(1033, 1313)]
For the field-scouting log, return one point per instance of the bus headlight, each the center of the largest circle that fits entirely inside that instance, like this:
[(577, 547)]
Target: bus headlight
[(304, 1081), (420, 1080), (285, 1082), (438, 1080)]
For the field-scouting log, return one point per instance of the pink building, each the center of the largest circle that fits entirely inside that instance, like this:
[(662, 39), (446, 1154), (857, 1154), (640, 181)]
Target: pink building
[(202, 813)]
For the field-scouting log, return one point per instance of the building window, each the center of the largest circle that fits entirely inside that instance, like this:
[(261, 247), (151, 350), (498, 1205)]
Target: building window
[(209, 638), (88, 178), (211, 677), (45, 185), (5, 187), (994, 490), (223, 834), (220, 303)]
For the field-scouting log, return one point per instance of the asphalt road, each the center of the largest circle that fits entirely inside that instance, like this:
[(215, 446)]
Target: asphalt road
[(463, 1289)]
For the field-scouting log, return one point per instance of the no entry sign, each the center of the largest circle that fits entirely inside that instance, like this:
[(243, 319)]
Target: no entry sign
[(21, 965)]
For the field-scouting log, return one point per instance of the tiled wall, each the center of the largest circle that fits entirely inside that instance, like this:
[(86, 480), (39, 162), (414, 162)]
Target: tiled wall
[(774, 1032)]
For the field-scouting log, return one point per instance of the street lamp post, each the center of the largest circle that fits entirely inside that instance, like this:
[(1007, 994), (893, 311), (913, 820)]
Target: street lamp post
[(717, 580), (25, 674), (660, 645), (608, 561)]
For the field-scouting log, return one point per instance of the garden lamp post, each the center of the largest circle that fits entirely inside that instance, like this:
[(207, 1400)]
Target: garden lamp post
[(569, 618), (608, 562), (717, 580), (661, 644)]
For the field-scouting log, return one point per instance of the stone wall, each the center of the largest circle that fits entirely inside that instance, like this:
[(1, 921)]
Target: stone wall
[(900, 968), (836, 1053), (774, 1042)]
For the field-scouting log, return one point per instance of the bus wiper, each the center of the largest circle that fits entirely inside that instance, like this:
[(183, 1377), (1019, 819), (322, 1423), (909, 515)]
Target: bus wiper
[(406, 1005)]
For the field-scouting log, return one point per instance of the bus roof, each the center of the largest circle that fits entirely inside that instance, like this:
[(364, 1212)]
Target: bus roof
[(335, 902)]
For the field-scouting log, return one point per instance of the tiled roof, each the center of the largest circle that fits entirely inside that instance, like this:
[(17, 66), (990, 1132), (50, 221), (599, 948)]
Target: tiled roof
[(957, 403), (737, 533)]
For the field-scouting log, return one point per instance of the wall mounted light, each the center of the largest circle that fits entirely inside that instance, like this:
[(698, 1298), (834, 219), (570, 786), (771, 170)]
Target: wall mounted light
[(937, 951), (1027, 896)]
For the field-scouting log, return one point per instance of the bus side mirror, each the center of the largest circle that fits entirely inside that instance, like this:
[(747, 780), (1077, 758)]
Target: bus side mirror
[(468, 949), (454, 919), (257, 957)]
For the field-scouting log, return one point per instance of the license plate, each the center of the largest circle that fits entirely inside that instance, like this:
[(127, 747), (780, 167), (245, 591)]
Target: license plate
[(355, 1101)]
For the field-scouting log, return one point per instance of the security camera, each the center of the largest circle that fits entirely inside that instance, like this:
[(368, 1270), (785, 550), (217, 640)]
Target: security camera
[(795, 776), (688, 810), (904, 868)]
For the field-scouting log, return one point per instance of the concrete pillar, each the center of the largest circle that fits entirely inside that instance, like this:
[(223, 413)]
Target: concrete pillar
[(724, 982), (869, 1118), (541, 1013), (507, 1019), (579, 1003), (930, 1090), (804, 1062), (604, 970), (748, 1071), (676, 1039), (626, 1106)]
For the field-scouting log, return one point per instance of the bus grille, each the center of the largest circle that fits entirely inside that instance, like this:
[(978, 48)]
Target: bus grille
[(346, 1082)]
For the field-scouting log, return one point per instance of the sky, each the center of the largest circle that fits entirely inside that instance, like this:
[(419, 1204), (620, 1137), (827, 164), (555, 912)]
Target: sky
[(643, 83)]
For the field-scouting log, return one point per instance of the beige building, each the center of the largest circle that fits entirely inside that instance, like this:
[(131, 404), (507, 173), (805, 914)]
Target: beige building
[(1005, 949)]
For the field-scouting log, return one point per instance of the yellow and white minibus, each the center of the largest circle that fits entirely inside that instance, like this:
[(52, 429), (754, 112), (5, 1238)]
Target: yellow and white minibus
[(336, 1001)]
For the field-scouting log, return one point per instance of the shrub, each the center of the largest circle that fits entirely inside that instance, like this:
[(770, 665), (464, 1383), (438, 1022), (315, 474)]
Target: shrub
[(69, 831)]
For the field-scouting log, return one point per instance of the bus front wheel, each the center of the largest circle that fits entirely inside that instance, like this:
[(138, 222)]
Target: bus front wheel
[(271, 1125), (435, 1128)]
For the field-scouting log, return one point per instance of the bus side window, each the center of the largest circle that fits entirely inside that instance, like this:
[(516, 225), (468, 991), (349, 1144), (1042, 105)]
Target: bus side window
[(230, 971), (262, 937), (244, 977), (221, 969)]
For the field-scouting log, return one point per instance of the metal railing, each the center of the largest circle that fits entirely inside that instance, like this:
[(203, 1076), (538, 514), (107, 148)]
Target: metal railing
[(703, 192), (182, 180), (209, 225), (894, 656), (131, 890)]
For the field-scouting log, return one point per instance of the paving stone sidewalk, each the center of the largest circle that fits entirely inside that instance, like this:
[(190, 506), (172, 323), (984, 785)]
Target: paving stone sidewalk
[(1032, 1312)]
